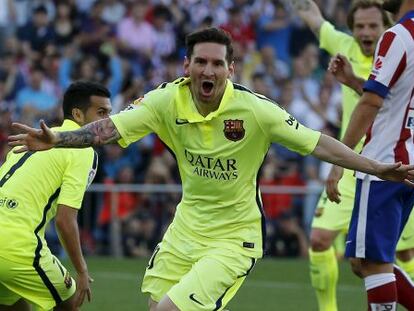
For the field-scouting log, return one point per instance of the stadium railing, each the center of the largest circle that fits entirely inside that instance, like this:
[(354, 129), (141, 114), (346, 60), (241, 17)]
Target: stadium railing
[(115, 225)]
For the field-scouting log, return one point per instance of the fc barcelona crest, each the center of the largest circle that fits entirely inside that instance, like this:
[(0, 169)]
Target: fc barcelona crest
[(233, 129)]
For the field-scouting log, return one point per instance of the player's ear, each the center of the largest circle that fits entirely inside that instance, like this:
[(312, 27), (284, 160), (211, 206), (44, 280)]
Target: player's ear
[(78, 116), (186, 66), (231, 69)]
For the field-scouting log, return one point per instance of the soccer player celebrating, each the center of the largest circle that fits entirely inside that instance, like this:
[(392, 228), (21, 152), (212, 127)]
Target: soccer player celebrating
[(36, 187), (219, 132), (384, 113), (367, 20)]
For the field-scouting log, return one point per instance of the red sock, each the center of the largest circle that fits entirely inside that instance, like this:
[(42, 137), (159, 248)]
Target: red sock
[(384, 296), (405, 288)]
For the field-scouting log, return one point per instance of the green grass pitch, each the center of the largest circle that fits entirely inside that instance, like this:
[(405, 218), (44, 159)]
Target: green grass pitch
[(273, 285)]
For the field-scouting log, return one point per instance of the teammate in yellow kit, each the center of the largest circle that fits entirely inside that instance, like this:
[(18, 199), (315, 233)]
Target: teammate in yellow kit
[(36, 187), (219, 132)]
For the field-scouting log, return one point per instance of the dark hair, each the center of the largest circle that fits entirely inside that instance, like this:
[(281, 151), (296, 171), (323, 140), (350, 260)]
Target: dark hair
[(78, 96), (214, 35), (366, 4)]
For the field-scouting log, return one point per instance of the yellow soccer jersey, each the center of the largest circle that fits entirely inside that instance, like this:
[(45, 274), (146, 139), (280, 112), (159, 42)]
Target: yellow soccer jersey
[(218, 156), (334, 42), (31, 186)]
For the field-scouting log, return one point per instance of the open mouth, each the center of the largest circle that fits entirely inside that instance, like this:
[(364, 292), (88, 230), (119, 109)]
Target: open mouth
[(367, 43), (207, 88)]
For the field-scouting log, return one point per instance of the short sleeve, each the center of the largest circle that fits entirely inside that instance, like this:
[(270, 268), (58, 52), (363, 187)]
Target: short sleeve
[(332, 40), (79, 173), (390, 62), (140, 118), (284, 129)]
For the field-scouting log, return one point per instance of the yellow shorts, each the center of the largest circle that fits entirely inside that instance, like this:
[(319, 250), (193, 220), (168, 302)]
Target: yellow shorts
[(44, 286), (195, 277), (336, 217)]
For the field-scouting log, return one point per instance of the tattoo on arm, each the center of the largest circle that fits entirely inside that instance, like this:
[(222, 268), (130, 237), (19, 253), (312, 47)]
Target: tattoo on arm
[(93, 134), (301, 5)]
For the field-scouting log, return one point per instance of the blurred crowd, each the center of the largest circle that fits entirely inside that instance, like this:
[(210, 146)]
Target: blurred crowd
[(132, 46)]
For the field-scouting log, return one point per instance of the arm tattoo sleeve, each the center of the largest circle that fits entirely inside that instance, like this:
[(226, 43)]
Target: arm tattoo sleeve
[(301, 5), (93, 134)]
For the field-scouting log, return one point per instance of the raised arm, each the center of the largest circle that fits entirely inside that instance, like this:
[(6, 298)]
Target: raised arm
[(341, 68), (93, 134), (310, 13)]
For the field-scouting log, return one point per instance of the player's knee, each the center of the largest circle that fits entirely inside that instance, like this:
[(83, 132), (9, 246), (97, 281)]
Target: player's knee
[(319, 242), (165, 304), (356, 267), (152, 305)]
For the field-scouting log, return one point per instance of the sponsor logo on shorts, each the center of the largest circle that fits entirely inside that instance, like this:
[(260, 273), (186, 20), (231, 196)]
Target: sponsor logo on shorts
[(192, 297), (68, 280), (248, 244), (9, 203)]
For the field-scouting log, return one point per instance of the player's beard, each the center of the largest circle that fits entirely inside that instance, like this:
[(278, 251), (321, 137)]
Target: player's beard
[(392, 6)]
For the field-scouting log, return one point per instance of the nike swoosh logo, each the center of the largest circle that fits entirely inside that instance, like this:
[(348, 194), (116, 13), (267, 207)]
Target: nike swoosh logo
[(195, 300), (405, 238), (181, 121), (347, 242)]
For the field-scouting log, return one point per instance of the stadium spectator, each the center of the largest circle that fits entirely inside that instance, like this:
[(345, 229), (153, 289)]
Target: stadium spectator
[(33, 102)]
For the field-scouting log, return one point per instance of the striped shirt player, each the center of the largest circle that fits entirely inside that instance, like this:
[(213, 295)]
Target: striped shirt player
[(389, 139), (382, 208)]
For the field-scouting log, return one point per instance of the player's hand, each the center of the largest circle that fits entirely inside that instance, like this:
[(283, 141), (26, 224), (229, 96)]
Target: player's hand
[(33, 139), (396, 172), (341, 68), (83, 288), (332, 181)]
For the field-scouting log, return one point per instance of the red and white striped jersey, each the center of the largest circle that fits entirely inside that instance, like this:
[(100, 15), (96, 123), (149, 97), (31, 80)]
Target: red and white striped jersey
[(390, 137)]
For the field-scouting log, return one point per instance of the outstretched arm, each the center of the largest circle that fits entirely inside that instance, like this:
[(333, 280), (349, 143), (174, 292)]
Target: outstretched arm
[(310, 13), (93, 134), (330, 150)]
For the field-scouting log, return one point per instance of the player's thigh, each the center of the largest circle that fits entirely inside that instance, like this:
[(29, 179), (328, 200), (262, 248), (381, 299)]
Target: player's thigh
[(376, 220), (165, 269), (20, 305), (212, 281), (406, 241), (45, 283)]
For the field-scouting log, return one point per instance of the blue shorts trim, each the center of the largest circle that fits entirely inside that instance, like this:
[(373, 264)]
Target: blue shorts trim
[(380, 213)]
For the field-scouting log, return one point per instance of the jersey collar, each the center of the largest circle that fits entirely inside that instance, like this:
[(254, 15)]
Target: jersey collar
[(186, 108), (69, 125), (408, 15)]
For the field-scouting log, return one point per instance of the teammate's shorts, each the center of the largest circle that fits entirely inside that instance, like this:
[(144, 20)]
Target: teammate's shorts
[(336, 217), (381, 210), (44, 286), (407, 236), (195, 276)]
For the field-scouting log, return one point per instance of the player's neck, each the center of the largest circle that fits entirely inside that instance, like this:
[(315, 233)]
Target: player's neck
[(205, 108)]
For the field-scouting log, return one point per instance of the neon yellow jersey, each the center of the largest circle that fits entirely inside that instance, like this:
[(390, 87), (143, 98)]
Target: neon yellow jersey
[(218, 156), (334, 41), (31, 186)]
